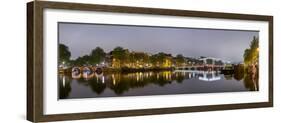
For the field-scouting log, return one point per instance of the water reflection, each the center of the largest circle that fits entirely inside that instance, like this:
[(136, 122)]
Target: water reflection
[(251, 82), (210, 76), (64, 86), (121, 83)]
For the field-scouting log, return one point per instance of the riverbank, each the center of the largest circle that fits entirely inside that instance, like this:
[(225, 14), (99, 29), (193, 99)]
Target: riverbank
[(121, 70), (132, 70)]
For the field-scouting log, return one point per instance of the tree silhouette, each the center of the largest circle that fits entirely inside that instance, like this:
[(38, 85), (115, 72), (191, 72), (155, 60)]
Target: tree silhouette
[(97, 55), (251, 55), (179, 60), (64, 53)]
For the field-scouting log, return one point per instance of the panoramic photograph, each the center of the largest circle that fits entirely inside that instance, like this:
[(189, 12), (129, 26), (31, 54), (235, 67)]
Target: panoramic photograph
[(106, 60)]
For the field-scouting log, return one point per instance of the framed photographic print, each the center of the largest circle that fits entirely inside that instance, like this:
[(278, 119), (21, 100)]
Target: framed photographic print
[(95, 61)]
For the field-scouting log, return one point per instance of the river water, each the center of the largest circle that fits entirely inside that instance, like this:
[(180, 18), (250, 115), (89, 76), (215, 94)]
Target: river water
[(152, 83)]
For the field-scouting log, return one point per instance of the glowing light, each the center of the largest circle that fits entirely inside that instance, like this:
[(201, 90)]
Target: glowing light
[(102, 79), (114, 81), (138, 77), (63, 81)]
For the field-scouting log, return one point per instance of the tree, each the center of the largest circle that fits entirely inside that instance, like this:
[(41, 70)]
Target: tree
[(153, 60), (255, 43), (138, 59), (247, 56), (219, 62), (254, 47), (158, 60), (84, 60), (164, 59), (97, 55), (180, 60), (64, 53), (251, 55), (120, 55), (239, 72)]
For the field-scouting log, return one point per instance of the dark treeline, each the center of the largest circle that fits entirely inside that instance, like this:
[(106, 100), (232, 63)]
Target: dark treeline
[(120, 57)]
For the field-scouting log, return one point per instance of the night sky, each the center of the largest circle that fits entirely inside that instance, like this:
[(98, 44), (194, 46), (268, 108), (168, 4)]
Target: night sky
[(224, 44)]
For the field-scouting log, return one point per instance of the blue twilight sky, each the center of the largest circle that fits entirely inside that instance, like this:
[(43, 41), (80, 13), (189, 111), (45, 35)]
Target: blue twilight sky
[(224, 44)]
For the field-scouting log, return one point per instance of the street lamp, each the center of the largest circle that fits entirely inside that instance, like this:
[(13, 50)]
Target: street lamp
[(63, 66)]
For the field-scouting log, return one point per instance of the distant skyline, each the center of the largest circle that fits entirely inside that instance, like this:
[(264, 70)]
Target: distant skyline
[(224, 44)]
